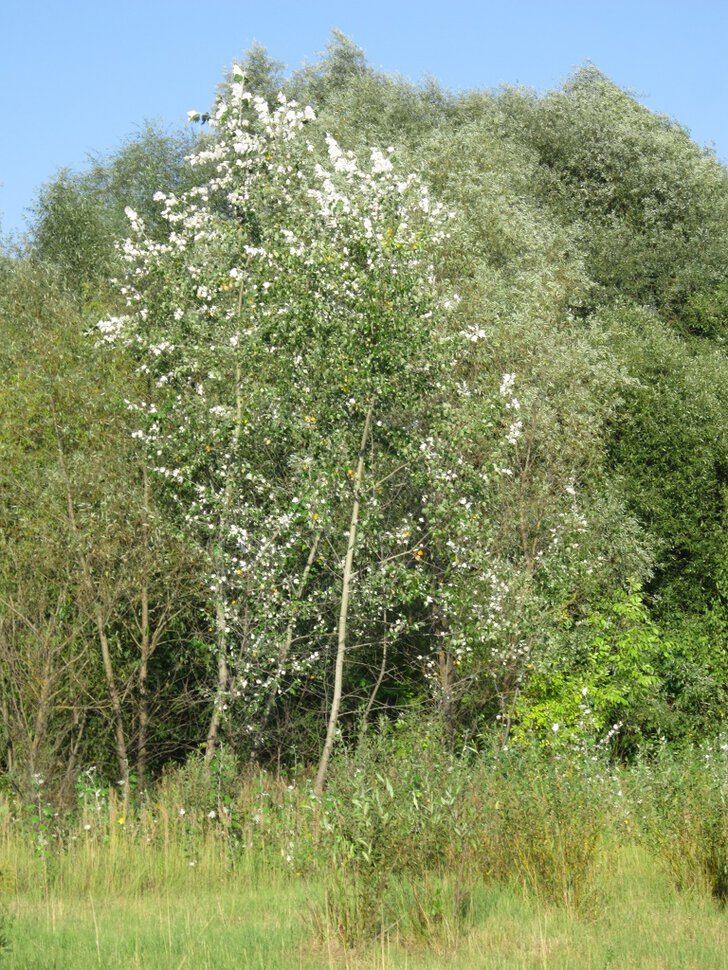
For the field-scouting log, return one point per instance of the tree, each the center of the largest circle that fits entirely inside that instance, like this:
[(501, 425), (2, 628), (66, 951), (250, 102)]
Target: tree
[(95, 591), (286, 325), (79, 216), (648, 204)]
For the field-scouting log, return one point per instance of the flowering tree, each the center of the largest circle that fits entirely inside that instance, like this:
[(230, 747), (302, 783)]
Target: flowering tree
[(285, 323), (320, 430)]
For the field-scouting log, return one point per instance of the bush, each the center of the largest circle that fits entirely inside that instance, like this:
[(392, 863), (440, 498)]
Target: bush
[(685, 816), (399, 831), (551, 814), (600, 674)]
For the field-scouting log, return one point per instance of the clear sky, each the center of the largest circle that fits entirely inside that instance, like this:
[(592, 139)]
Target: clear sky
[(78, 76)]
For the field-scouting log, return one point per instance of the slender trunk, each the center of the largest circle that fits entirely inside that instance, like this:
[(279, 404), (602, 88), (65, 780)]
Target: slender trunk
[(42, 714), (223, 679), (142, 742), (446, 675), (223, 670), (99, 621), (9, 759), (377, 685), (508, 715), (446, 671), (344, 612), (145, 646), (69, 776), (115, 698)]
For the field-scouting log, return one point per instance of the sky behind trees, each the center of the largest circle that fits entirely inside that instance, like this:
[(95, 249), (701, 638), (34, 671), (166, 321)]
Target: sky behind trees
[(79, 77)]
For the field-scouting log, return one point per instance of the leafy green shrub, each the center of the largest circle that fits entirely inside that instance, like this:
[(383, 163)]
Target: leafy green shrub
[(685, 816), (198, 786), (396, 816), (551, 815), (706, 313), (606, 684), (695, 675)]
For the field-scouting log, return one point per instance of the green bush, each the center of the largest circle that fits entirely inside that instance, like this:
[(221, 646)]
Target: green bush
[(552, 814), (600, 679), (398, 814), (685, 816)]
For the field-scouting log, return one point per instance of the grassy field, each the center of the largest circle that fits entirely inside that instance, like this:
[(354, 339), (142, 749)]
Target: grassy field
[(432, 861), (637, 920)]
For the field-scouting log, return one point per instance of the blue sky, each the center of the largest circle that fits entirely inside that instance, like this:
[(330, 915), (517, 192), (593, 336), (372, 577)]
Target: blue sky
[(78, 76)]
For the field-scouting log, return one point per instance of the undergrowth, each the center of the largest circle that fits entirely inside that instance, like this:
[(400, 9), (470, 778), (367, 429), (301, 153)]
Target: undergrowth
[(405, 836)]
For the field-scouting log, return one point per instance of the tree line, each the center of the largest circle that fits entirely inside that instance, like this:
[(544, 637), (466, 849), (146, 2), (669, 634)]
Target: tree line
[(359, 398)]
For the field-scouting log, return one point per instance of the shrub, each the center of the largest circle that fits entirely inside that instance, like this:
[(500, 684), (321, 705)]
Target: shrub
[(551, 816), (685, 816), (398, 831)]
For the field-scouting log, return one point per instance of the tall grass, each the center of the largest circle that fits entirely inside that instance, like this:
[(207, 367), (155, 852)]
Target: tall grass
[(552, 815), (403, 848)]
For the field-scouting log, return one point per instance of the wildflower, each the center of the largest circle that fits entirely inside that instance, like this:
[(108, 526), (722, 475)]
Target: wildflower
[(182, 813), (474, 334), (555, 727), (212, 814)]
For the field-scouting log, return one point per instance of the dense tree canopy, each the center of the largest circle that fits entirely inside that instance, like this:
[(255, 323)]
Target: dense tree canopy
[(400, 398)]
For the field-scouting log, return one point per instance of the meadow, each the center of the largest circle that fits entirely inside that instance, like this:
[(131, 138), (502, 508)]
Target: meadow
[(418, 859)]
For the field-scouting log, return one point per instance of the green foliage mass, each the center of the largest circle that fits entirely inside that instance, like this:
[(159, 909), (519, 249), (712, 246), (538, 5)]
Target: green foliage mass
[(583, 505)]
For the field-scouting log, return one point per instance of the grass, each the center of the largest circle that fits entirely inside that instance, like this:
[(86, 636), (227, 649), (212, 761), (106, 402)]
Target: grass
[(265, 922), (414, 858)]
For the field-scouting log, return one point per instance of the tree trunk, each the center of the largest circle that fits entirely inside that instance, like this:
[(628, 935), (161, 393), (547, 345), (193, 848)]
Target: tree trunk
[(375, 690), (223, 671), (145, 646), (286, 649), (42, 714), (115, 698), (446, 672), (98, 616), (223, 678), (69, 776), (344, 612)]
